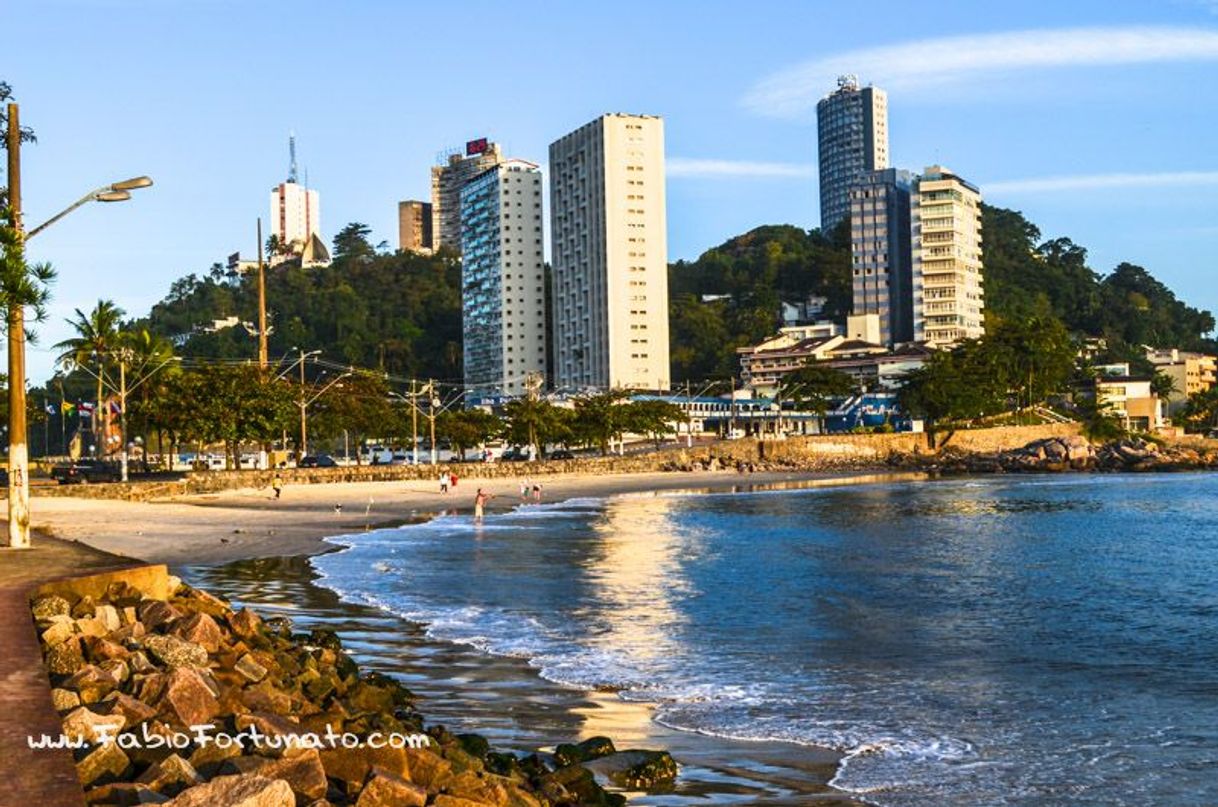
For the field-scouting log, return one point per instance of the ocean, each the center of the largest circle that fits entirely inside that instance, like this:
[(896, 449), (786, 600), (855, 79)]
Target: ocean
[(988, 641)]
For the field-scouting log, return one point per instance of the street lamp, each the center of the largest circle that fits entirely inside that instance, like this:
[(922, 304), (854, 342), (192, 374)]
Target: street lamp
[(18, 454)]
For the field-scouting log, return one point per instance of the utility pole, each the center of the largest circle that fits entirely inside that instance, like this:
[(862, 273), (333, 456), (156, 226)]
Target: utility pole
[(18, 451), (262, 357), (732, 409), (431, 417), (304, 428), (122, 412), (414, 423), (689, 415)]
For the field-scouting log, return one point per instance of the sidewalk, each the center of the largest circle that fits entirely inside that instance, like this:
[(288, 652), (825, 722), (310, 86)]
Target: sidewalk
[(45, 778)]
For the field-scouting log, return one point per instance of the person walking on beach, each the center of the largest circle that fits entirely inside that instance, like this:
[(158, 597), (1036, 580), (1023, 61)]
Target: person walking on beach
[(445, 478), (277, 484), (480, 501)]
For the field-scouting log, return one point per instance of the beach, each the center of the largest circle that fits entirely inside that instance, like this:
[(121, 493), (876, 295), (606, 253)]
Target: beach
[(250, 547)]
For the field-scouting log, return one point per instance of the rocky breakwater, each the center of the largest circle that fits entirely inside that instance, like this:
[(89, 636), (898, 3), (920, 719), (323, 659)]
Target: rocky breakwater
[(1070, 453), (183, 700)]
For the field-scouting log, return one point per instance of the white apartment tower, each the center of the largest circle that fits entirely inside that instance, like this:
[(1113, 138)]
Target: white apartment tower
[(503, 298), (295, 212), (609, 253), (945, 228)]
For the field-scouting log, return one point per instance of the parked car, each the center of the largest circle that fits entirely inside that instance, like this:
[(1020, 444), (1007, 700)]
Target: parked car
[(561, 454), (319, 461), (84, 471), (515, 454)]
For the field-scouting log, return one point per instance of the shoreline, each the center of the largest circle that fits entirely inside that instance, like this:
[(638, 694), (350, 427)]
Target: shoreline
[(773, 772)]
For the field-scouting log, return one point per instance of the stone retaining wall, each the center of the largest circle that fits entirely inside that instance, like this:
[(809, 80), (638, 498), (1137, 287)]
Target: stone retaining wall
[(819, 452)]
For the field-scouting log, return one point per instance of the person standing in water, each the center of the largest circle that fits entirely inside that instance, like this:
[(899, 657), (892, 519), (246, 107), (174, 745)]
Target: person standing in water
[(480, 501)]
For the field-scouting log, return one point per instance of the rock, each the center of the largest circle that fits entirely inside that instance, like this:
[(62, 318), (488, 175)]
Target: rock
[(50, 606), (579, 782), (65, 658), (199, 629), (139, 663), (244, 623), (174, 652), (445, 800), (84, 724), (387, 789), (57, 632), (268, 725), (172, 770), (121, 594), (201, 601), (126, 794), (427, 768), (154, 613), (636, 769), (64, 699), (133, 711), (103, 761), (185, 699), (352, 765), (117, 668), (91, 683), (242, 790), (302, 770), (327, 639), (108, 615), (173, 585), (263, 697), (592, 748), (249, 668), (99, 649), (474, 744)]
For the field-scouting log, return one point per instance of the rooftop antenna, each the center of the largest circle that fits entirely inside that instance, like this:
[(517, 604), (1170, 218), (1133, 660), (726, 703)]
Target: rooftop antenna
[(292, 157)]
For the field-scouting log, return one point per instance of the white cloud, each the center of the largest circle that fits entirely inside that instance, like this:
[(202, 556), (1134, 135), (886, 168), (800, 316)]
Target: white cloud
[(934, 62), (1090, 182), (702, 169)]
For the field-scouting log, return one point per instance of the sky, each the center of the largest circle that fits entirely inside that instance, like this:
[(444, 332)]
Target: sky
[(1096, 118)]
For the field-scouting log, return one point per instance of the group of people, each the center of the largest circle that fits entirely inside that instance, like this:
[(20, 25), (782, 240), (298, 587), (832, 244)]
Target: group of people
[(447, 480)]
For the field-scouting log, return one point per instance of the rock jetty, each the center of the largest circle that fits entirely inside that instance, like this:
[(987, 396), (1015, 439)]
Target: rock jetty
[(289, 718), (1069, 453)]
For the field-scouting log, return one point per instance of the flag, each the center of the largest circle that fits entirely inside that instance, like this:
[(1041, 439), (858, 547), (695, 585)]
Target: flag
[(85, 408), (50, 409), (115, 409), (67, 408)]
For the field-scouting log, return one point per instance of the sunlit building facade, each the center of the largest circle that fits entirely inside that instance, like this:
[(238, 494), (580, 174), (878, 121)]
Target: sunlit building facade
[(949, 300)]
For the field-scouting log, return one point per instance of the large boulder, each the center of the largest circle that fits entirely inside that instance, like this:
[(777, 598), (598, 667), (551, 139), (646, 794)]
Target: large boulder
[(636, 769), (174, 652), (185, 700), (241, 790), (199, 629)]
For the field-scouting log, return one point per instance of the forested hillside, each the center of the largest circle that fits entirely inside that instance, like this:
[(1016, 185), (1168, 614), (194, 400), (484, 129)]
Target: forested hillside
[(402, 312)]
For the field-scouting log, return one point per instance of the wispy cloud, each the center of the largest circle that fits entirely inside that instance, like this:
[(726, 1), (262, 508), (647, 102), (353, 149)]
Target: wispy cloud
[(934, 62), (1090, 182), (703, 169)]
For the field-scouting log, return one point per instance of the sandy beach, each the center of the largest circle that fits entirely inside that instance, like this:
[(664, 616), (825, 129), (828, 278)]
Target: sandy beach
[(249, 523)]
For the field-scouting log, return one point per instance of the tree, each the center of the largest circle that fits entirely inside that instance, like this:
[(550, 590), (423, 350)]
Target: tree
[(814, 386), (1200, 412), (97, 337), (652, 417), (535, 423), (359, 405), (953, 387), (352, 242), (1034, 357), (1163, 385), (467, 428), (150, 364), (600, 419), (233, 404)]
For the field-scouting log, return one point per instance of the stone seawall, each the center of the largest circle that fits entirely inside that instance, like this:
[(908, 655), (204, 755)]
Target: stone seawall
[(813, 453)]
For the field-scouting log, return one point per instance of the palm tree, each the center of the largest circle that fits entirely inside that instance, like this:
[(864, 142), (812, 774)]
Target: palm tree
[(150, 363), (97, 336)]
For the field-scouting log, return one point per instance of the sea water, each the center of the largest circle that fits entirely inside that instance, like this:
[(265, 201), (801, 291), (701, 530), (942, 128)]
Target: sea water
[(995, 641)]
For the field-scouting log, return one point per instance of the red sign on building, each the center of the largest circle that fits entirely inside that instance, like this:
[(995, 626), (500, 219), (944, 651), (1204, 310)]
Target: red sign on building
[(479, 146)]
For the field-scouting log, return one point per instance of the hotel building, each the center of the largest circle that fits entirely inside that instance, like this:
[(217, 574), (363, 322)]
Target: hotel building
[(949, 301), (503, 300), (852, 140), (446, 183), (609, 254)]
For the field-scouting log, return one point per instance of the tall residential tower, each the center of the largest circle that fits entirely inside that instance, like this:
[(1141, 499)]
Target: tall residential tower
[(852, 139), (447, 180), (296, 219), (880, 252), (503, 298), (609, 252), (949, 301)]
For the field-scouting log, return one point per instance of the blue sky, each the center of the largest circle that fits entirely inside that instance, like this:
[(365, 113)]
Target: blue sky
[(1095, 118)]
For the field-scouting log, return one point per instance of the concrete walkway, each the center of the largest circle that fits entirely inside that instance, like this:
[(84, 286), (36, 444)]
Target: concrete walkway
[(44, 778)]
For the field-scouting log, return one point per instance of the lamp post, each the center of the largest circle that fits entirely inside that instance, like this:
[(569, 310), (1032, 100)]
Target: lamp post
[(18, 453)]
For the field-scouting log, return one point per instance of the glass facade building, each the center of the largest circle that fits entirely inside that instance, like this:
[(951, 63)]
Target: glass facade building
[(880, 252), (852, 140)]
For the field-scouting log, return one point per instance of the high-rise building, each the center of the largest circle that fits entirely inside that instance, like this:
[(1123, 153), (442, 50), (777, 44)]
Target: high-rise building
[(609, 253), (880, 252), (446, 183), (852, 139), (945, 216), (503, 299), (414, 226), (295, 216)]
